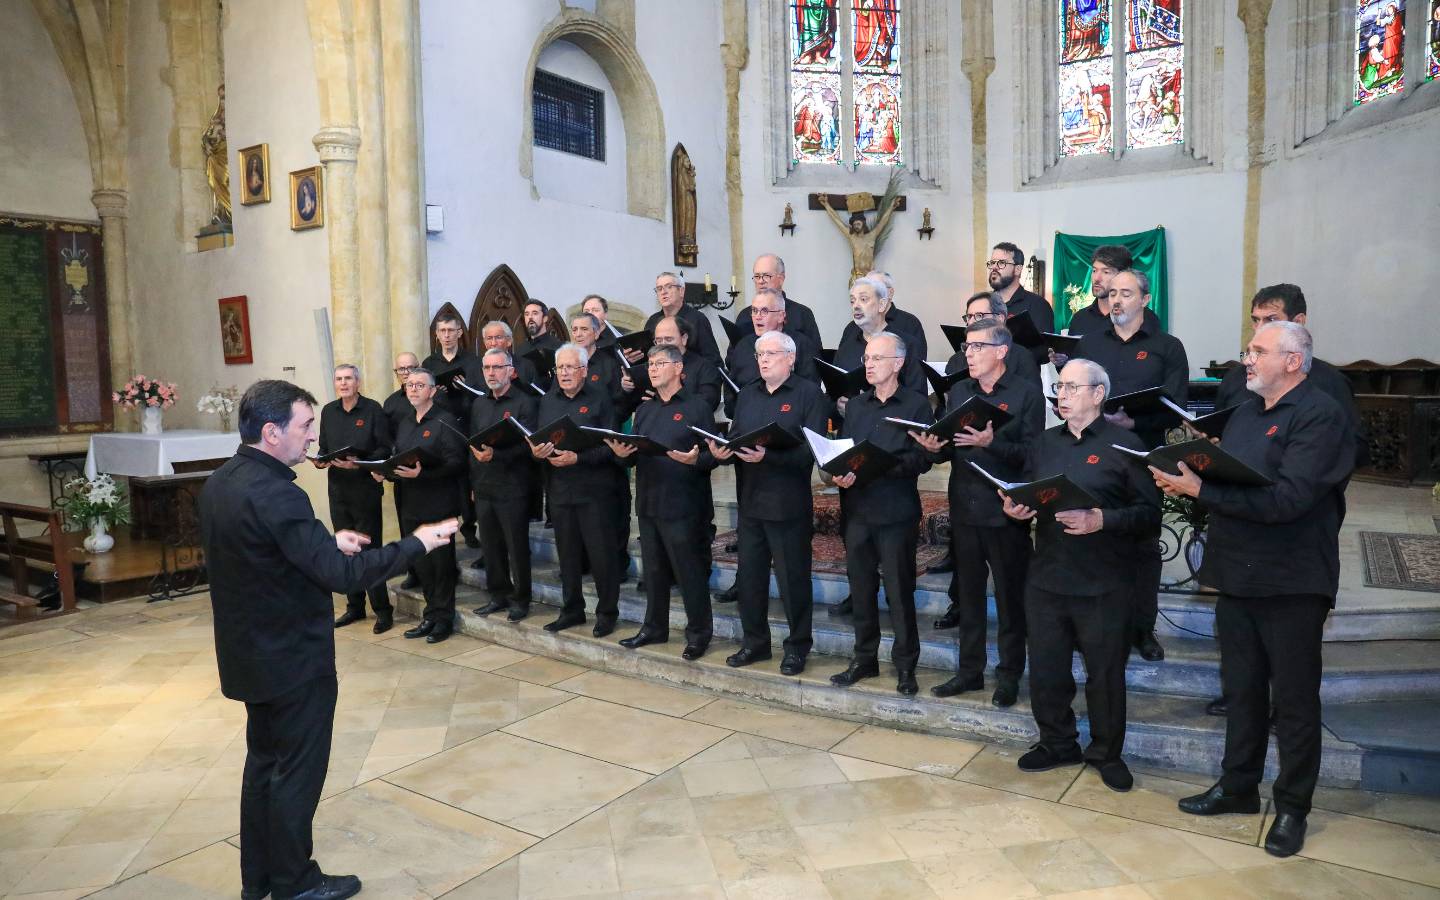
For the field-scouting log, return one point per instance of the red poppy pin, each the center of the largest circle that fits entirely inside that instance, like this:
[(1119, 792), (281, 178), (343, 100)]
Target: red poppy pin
[(359, 423), (426, 433), (595, 377), (1143, 354), (1092, 459), (505, 415), (784, 407), (584, 409), (1271, 431), (679, 416), (1005, 406)]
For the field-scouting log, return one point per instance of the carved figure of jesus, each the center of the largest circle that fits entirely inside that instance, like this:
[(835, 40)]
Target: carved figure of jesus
[(861, 237)]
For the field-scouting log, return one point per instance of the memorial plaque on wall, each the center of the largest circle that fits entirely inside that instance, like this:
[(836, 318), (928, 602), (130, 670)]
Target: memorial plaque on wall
[(53, 329)]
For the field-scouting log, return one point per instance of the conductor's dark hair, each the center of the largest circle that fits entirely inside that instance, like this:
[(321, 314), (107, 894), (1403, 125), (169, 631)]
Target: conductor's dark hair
[(1289, 294), (1017, 256), (1116, 256), (269, 401)]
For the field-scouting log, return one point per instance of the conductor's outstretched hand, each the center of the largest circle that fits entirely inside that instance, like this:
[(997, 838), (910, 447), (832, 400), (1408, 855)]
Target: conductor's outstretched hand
[(437, 534)]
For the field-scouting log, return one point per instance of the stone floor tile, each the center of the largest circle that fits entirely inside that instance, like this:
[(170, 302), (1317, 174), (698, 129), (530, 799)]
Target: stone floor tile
[(711, 779), (618, 734), (635, 692), (1153, 800), (664, 862), (1372, 846), (540, 670), (1064, 866), (878, 881), (645, 821), (79, 866), (977, 875), (923, 752), (568, 873), (777, 724), (487, 658), (210, 873), (994, 766), (834, 845), (1152, 854), (800, 770)]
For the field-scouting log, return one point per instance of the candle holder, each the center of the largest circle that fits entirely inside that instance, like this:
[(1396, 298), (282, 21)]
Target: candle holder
[(699, 296)]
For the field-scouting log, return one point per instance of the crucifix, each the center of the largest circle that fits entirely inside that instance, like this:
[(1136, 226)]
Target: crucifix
[(865, 239)]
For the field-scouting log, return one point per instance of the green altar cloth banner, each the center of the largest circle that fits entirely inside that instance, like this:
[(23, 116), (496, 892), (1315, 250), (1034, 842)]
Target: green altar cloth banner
[(1070, 269)]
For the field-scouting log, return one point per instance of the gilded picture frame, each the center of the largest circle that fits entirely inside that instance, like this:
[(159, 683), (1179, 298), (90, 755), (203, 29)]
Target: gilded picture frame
[(235, 344), (255, 175), (307, 198)]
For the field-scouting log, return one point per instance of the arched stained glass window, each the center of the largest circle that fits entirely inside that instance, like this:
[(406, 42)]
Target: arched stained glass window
[(1432, 43), (1379, 49), (845, 67), (1086, 77), (1154, 66)]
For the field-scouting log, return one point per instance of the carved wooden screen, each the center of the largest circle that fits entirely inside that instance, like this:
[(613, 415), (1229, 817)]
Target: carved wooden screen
[(502, 297)]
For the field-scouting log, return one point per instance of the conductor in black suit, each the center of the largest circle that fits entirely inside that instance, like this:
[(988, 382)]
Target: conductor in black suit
[(273, 568)]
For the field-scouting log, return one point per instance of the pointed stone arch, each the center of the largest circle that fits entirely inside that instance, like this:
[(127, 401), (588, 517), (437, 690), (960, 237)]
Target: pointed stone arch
[(448, 310), (614, 50), (502, 297)]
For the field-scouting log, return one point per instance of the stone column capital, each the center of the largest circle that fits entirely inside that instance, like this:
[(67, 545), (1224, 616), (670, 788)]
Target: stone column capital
[(110, 203), (338, 143)]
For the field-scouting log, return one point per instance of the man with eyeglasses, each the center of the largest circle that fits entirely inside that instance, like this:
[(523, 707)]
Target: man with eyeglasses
[(986, 306), (396, 408), (585, 489), (673, 503), (670, 294), (1138, 356), (767, 315), (355, 421), (769, 272), (776, 509), (1003, 270), (1273, 553), (880, 515), (1106, 262), (1077, 589), (984, 542), (429, 495), (701, 376), (501, 480), (497, 335), (603, 374), (449, 336)]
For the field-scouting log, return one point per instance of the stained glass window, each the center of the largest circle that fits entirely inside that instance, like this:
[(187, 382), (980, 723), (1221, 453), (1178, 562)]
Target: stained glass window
[(1379, 49), (845, 64), (1154, 65), (1086, 76), (1432, 42)]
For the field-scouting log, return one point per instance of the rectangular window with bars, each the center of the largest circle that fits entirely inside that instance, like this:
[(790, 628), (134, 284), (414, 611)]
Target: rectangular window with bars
[(569, 116)]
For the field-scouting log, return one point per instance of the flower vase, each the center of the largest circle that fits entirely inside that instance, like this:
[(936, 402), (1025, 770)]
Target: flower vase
[(100, 540), (1195, 551), (225, 422), (152, 420)]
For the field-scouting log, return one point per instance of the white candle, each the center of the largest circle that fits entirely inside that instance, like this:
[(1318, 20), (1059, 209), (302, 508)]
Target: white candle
[(707, 282)]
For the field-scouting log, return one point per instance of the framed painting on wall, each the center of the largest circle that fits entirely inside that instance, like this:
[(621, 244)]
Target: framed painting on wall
[(307, 198), (255, 170), (235, 331)]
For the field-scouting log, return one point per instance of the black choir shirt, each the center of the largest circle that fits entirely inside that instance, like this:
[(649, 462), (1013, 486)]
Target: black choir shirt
[(664, 487), (432, 495), (456, 402), (365, 428), (507, 474), (397, 407), (777, 488), (272, 568), (546, 341), (745, 369), (525, 373), (1087, 565), (1040, 313), (1091, 319), (704, 342), (892, 496), (701, 378), (1149, 359), (851, 348), (602, 373), (973, 500), (799, 319), (597, 475), (1281, 539), (1322, 375)]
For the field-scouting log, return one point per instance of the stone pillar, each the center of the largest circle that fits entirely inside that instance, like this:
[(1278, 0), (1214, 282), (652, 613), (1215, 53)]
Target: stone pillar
[(735, 53), (339, 146), (408, 278), (112, 207), (1256, 16), (977, 64), (370, 196)]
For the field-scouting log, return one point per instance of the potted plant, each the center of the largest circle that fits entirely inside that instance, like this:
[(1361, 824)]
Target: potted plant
[(151, 396), (98, 503)]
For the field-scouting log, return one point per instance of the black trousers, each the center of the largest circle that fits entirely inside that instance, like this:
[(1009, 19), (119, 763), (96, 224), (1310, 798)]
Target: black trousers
[(890, 548), (627, 503), (787, 545), (675, 550), (1270, 652), (1146, 602), (287, 750), (980, 552), (358, 507), (588, 529), (1099, 627), (504, 526), (437, 576), (467, 505)]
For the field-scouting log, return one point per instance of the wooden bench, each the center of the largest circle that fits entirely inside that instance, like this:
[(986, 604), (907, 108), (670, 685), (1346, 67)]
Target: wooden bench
[(48, 547)]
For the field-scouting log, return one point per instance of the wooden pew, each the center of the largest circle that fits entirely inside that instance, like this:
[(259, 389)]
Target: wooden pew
[(48, 547)]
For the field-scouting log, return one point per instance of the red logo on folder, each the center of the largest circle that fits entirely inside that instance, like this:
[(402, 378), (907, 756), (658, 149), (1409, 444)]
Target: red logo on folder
[(1272, 430), (1047, 495), (784, 407), (1143, 354), (1198, 461), (856, 462), (966, 419), (679, 416), (1092, 459), (555, 437)]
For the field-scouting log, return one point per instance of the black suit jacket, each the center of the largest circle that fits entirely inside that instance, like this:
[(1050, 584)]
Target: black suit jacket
[(273, 568)]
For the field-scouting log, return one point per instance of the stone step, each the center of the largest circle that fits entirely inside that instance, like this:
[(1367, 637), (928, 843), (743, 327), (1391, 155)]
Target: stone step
[(1163, 731), (1354, 671)]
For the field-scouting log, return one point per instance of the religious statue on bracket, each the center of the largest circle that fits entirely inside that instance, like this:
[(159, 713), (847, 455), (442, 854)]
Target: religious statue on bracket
[(682, 199), (217, 165), (865, 240)]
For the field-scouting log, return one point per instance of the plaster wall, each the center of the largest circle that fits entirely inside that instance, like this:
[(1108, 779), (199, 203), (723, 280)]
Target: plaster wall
[(568, 177)]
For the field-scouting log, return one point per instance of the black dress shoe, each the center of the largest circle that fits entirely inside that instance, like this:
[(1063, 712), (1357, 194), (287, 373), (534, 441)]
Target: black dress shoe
[(411, 581), (477, 563), (729, 595), (960, 684), (950, 619), (1116, 775), (745, 656), (642, 639), (1216, 802), (332, 887), (943, 567), (441, 631), (1006, 693), (421, 630), (906, 683), (640, 585), (1218, 707), (471, 540), (792, 664), (496, 604), (347, 617), (602, 627), (1149, 647), (383, 623), (1042, 759), (566, 620), (858, 669), (693, 651), (1287, 835), (519, 609), (845, 607)]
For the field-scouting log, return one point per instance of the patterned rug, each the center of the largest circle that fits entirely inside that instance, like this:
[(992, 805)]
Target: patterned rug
[(829, 550), (1409, 562)]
